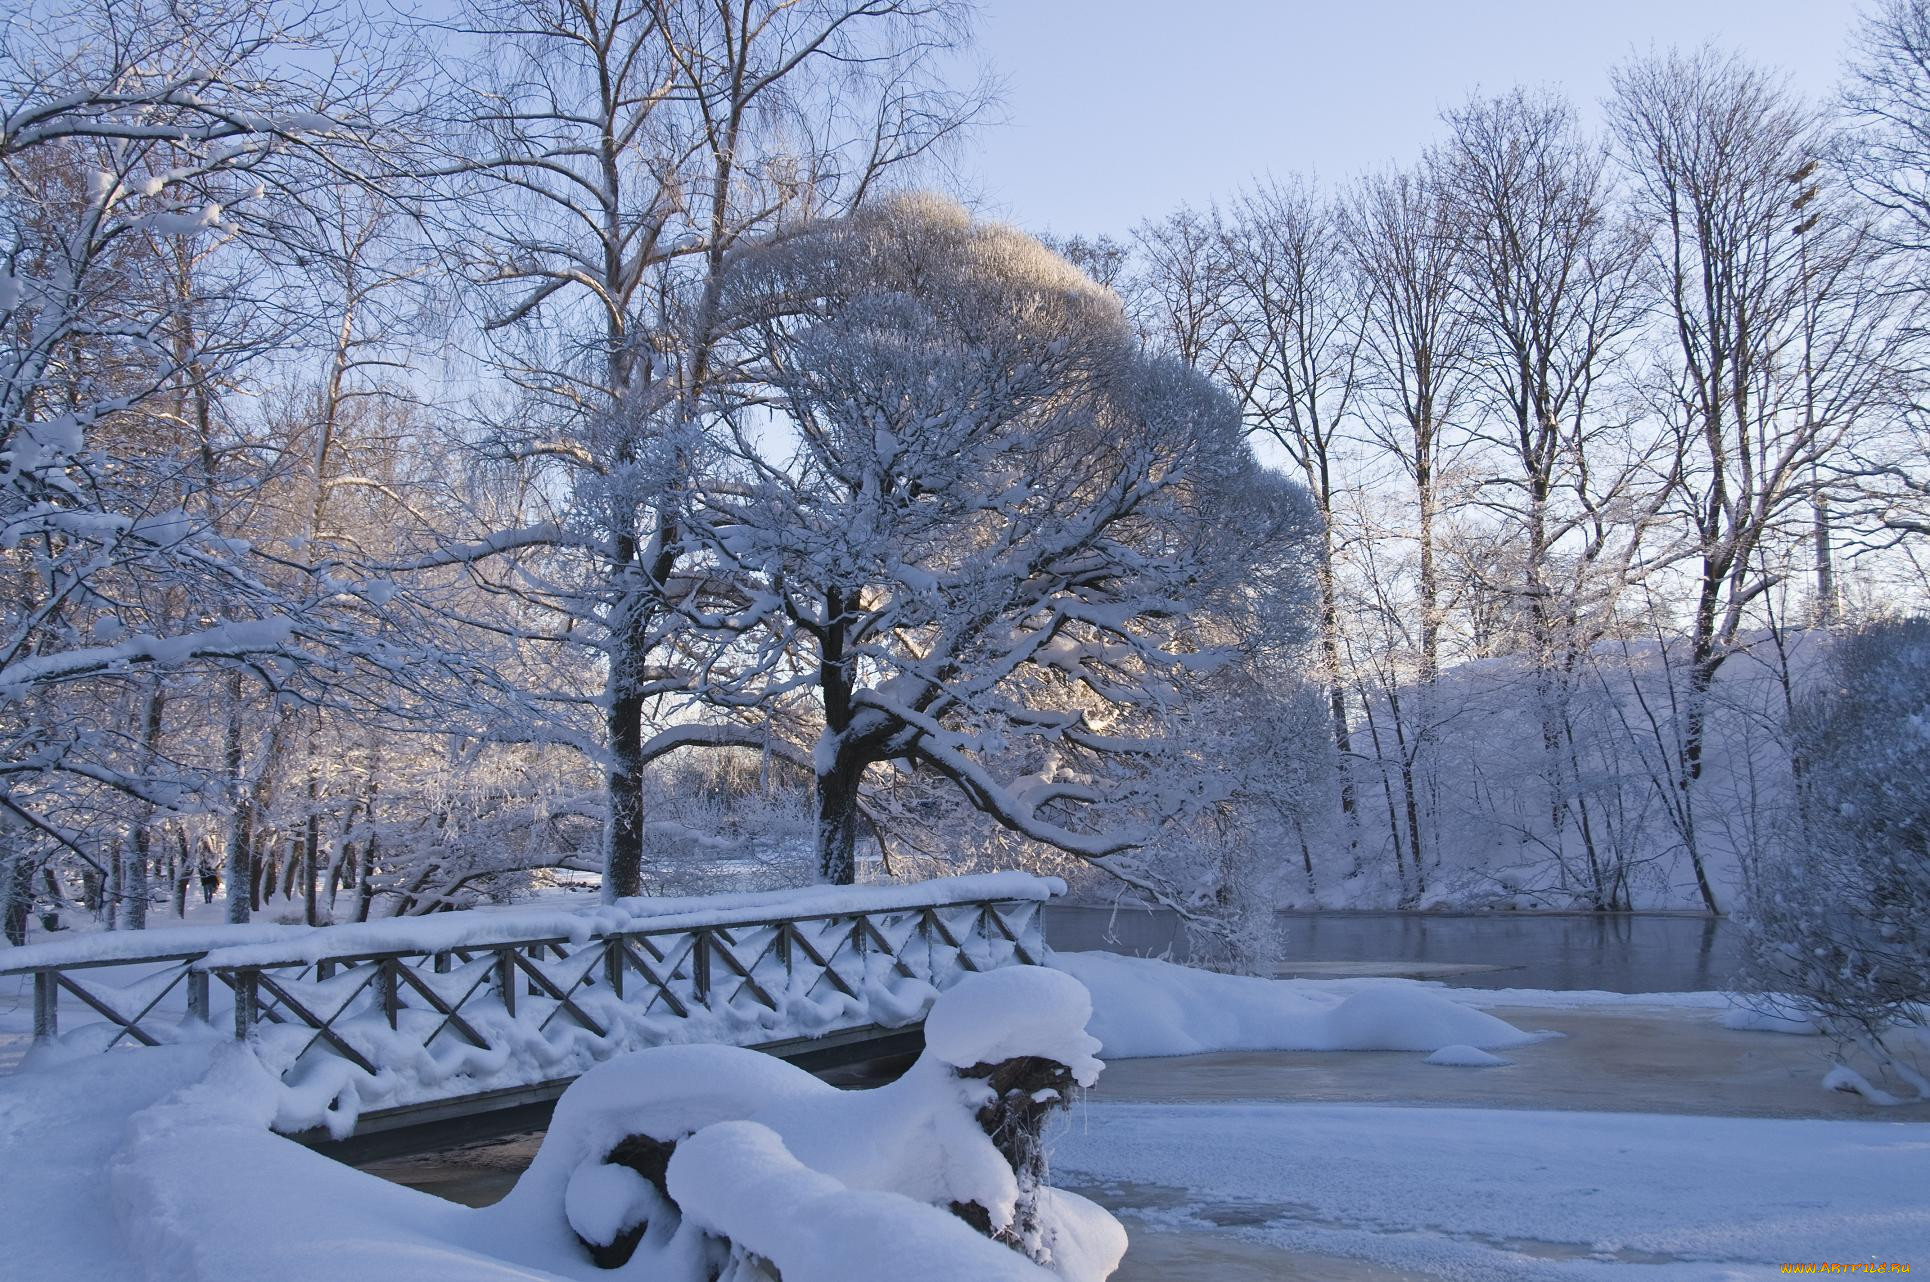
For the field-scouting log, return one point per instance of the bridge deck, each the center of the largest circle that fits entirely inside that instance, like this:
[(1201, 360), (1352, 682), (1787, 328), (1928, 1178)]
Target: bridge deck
[(427, 1127)]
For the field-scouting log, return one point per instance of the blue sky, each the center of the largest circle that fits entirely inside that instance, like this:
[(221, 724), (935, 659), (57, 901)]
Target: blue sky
[(1117, 110)]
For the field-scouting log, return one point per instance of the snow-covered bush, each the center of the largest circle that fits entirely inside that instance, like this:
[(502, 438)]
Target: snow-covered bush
[(1842, 918)]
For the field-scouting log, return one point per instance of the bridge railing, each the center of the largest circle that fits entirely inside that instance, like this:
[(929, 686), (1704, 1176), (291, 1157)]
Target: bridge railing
[(459, 1002)]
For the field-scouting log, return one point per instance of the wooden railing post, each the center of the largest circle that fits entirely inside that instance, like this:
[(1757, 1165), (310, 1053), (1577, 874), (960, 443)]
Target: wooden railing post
[(46, 1005), (247, 1002), (506, 978), (613, 964), (385, 988), (198, 995), (700, 966)]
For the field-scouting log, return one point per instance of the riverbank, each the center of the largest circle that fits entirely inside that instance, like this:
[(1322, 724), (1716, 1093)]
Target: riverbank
[(1583, 1157)]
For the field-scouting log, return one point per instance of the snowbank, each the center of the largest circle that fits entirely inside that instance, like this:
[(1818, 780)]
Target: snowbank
[(1143, 1007), (1770, 1017), (825, 1183)]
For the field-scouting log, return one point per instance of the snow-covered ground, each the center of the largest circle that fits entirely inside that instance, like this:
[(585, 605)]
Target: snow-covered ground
[(162, 1164), (1503, 1195)]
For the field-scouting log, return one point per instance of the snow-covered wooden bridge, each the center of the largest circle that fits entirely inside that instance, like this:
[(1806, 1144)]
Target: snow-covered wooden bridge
[(431, 1019)]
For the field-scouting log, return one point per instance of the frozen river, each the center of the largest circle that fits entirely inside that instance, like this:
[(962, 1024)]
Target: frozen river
[(1612, 952), (1646, 1141)]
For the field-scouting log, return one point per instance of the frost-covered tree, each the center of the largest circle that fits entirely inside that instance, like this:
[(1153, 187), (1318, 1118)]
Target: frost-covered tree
[(962, 509), (1840, 919), (151, 154), (1784, 341), (606, 163)]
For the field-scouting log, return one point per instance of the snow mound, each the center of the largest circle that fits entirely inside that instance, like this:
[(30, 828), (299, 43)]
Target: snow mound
[(1465, 1057), (737, 1180), (1848, 1080), (1397, 1015), (601, 1200), (1012, 1012), (824, 1182), (1143, 1007)]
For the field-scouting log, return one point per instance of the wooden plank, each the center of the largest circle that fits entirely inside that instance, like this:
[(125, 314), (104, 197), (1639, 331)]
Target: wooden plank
[(542, 981), (662, 983), (750, 981), (322, 1028), (133, 1024), (798, 940), (1019, 949), (449, 1016), (442, 1123), (877, 937), (938, 923), (139, 1035)]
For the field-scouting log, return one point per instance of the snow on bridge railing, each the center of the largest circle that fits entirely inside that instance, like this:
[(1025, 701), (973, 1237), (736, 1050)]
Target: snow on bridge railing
[(412, 1009)]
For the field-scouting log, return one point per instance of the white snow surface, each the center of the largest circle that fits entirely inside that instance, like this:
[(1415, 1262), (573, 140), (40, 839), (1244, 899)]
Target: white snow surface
[(737, 1180), (1465, 1057), (1770, 1019), (1012, 1012), (602, 1199), (161, 1163), (1503, 1195), (1143, 1007)]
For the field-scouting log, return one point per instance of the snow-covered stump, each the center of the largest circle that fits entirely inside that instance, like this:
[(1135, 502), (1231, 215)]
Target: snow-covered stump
[(1020, 1034), (1026, 1091), (607, 1209), (725, 1166)]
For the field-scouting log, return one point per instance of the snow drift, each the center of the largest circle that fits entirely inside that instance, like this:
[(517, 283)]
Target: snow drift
[(1143, 1007)]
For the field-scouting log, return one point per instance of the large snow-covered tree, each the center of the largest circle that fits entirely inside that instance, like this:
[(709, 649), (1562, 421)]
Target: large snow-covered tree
[(992, 537)]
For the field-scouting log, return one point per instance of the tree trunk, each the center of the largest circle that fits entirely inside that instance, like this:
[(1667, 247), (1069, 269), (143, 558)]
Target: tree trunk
[(623, 721), (134, 881), (1337, 699), (16, 895), (311, 846), (234, 858), (840, 767), (111, 892), (140, 851), (183, 872), (838, 822)]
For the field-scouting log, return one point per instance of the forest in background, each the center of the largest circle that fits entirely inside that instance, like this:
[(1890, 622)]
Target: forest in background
[(441, 460)]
